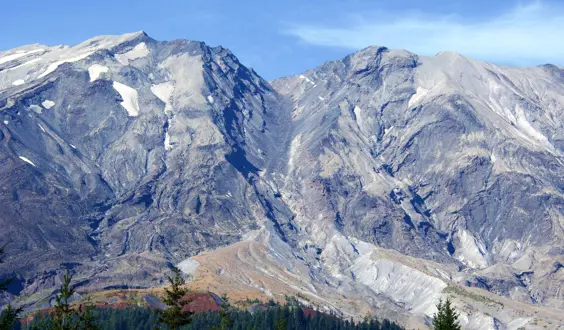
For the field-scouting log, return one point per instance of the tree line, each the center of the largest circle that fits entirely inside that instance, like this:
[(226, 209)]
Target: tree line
[(175, 316)]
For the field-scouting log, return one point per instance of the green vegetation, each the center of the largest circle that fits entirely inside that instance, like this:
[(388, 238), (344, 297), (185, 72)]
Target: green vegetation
[(174, 316), (446, 317), (461, 292), (66, 317), (225, 314), (264, 316), (294, 317)]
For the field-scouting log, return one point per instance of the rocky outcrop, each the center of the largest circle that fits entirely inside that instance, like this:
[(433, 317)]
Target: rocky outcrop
[(385, 175)]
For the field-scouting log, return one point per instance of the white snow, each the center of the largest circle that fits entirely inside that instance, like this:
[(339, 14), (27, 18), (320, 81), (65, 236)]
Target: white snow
[(164, 93), (417, 97), (18, 82), (130, 98), (138, 51), (25, 64), (27, 160), (36, 108), (307, 79), (96, 70), (53, 66), (48, 104), (167, 143), (67, 54), (358, 116), (188, 266), (210, 99), (12, 57)]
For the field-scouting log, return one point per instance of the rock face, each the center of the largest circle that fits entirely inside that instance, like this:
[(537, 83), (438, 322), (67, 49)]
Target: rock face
[(385, 175)]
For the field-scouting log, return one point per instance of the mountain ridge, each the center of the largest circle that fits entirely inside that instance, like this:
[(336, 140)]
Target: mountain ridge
[(156, 152)]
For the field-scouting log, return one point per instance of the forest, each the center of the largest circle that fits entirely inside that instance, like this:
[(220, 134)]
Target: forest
[(274, 316)]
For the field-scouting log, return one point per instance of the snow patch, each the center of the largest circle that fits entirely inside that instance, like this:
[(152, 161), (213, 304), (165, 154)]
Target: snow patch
[(96, 70), (35, 108), (53, 66), (138, 51), (12, 57), (130, 98), (18, 82), (48, 104), (358, 116), (27, 160), (418, 96), (25, 64), (164, 93), (167, 144), (307, 79), (188, 266)]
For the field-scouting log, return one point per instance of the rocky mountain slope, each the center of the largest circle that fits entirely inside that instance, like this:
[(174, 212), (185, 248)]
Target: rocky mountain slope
[(381, 181)]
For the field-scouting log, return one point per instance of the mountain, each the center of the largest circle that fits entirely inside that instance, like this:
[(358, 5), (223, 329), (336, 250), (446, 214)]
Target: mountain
[(377, 183)]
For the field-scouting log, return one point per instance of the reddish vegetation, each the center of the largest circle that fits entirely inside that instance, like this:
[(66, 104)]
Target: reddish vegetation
[(309, 312), (201, 302)]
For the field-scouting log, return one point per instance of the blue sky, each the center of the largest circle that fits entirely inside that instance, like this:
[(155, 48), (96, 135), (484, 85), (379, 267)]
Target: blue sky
[(279, 38)]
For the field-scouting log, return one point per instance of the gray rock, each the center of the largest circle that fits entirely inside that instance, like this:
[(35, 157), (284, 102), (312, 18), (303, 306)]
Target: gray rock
[(442, 158)]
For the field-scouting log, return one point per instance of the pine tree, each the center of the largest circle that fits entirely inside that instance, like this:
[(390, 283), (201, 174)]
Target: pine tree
[(446, 317), (87, 318), (224, 313), (281, 323), (9, 316), (173, 316), (65, 317)]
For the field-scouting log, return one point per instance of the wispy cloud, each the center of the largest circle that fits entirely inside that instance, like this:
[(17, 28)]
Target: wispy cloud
[(525, 34)]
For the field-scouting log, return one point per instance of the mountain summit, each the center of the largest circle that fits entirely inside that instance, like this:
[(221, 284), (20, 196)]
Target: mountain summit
[(379, 182)]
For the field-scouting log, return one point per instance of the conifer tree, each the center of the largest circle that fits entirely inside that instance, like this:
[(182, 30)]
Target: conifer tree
[(281, 322), (65, 318), (446, 317), (224, 313), (87, 318), (173, 316)]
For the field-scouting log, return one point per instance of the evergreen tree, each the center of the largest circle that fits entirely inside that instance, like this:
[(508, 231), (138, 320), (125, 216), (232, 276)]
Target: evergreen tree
[(65, 318), (273, 317), (281, 322), (224, 313), (87, 318), (173, 316), (9, 316), (446, 317)]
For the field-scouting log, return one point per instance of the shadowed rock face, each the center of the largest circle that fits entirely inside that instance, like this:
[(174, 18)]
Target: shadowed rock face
[(122, 154)]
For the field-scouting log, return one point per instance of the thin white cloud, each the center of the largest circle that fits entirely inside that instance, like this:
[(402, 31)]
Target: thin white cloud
[(525, 34)]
